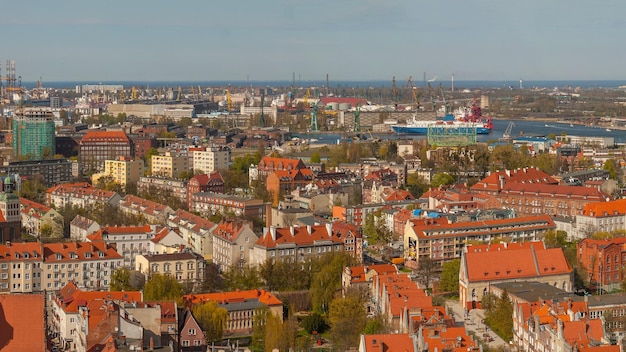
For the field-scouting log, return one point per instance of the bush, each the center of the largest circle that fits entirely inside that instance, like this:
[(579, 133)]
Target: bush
[(313, 322)]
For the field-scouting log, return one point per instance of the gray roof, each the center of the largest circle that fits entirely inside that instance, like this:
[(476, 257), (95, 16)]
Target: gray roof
[(533, 291)]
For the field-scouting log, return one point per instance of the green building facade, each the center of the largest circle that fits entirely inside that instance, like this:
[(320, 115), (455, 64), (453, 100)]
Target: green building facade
[(33, 135)]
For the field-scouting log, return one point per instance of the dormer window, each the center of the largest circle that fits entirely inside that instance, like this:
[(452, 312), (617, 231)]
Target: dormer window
[(35, 254), (17, 255), (59, 256), (87, 255), (101, 254)]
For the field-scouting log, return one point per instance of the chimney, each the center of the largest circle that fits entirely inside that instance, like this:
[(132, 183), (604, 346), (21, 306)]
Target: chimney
[(8, 244), (309, 229), (292, 230), (268, 215), (273, 232), (329, 229)]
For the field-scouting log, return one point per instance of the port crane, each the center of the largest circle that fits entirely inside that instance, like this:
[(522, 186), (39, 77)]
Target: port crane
[(229, 100), (507, 132)]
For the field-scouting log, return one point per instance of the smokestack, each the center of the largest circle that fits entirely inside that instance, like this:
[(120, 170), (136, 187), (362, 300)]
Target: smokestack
[(453, 83)]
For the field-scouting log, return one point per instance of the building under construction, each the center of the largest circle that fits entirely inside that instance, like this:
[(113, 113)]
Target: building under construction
[(33, 134)]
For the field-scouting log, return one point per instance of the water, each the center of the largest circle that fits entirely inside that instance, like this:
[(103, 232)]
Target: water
[(529, 128)]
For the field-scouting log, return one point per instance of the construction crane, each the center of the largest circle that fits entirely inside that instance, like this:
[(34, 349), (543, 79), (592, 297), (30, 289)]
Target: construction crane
[(179, 96), (414, 92), (133, 93), (229, 101), (306, 99), (357, 118), (394, 91), (507, 132)]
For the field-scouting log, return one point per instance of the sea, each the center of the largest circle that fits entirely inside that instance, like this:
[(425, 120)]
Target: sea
[(458, 84), (520, 127)]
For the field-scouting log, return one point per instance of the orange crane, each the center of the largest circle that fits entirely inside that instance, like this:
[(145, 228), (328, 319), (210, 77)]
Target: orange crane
[(229, 101)]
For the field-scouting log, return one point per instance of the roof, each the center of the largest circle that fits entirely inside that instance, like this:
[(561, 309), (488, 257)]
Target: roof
[(387, 343), (297, 235), (107, 136), (498, 179), (166, 257), (358, 273), (75, 251), (600, 209), (262, 296), (32, 251), (190, 221), (103, 232), (23, 323), (515, 263), (280, 163), (144, 206), (579, 192), (231, 229)]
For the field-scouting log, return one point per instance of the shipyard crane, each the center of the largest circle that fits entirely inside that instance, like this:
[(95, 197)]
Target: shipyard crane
[(229, 100), (179, 96), (306, 99), (507, 132), (394, 91), (133, 93)]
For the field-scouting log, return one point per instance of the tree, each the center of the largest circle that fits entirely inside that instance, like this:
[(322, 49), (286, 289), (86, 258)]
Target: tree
[(162, 287), (315, 157), (120, 280), (449, 281), (609, 165), (499, 315), (326, 280), (313, 322), (555, 239), (347, 317), (258, 329), (274, 334), (426, 270), (212, 319), (245, 278), (416, 185), (374, 229), (441, 178)]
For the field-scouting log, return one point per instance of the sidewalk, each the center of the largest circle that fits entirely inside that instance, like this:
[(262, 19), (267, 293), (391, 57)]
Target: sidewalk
[(474, 322)]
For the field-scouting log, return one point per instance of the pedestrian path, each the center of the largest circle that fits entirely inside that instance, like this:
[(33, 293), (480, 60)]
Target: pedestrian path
[(474, 321)]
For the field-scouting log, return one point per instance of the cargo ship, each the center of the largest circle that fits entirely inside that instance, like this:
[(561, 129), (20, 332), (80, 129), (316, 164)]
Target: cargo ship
[(464, 120)]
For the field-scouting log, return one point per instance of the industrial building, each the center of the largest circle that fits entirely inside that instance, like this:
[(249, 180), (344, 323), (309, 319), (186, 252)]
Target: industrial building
[(33, 134)]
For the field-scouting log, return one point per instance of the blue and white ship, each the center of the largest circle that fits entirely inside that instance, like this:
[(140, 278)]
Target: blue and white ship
[(447, 124)]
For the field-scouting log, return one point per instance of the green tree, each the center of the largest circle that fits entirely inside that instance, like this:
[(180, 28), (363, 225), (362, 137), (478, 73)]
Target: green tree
[(555, 239), (416, 185), (499, 315), (326, 280), (313, 322), (274, 333), (162, 287), (258, 329), (441, 178), (315, 157), (449, 281), (610, 166), (245, 278), (374, 229), (376, 325), (120, 280), (212, 319), (347, 317)]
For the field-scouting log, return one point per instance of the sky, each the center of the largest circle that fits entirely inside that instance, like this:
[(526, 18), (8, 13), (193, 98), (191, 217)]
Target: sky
[(206, 40)]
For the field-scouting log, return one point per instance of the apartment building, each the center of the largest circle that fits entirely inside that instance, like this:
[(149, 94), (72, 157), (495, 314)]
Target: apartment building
[(38, 219), (97, 146), (197, 232), (122, 170), (211, 159), (603, 260), (232, 242), (80, 195), (50, 172), (153, 184), (441, 241), (186, 267), (169, 165), (212, 182), (210, 203), (153, 212), (601, 216), (82, 226), (267, 165), (129, 241)]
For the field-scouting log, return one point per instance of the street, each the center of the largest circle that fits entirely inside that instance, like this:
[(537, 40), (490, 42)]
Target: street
[(474, 322)]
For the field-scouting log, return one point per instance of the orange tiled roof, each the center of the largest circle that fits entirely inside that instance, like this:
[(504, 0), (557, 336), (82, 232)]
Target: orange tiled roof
[(69, 251), (23, 327), (109, 136), (263, 296), (579, 192), (600, 209), (286, 163), (101, 234), (388, 343), (525, 175), (300, 236), (190, 221), (32, 251)]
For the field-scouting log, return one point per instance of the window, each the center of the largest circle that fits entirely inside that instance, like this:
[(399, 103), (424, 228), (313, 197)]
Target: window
[(196, 342), (192, 331), (186, 343)]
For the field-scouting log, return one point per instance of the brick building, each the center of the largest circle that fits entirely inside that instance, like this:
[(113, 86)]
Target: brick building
[(603, 260), (97, 146)]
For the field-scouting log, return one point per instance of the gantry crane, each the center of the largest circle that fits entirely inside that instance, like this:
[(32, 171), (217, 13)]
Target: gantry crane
[(306, 99), (229, 101)]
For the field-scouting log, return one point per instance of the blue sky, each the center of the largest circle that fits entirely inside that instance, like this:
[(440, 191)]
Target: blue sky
[(350, 40)]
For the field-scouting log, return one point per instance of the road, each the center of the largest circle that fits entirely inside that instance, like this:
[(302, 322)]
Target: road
[(474, 322)]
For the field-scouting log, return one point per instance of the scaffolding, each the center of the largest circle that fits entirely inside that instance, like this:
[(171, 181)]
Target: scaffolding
[(451, 136)]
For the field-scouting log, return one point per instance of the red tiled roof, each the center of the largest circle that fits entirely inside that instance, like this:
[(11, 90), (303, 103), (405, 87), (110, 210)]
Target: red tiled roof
[(388, 343), (300, 236), (525, 175), (109, 136), (592, 194), (22, 321), (399, 195), (80, 251), (600, 209)]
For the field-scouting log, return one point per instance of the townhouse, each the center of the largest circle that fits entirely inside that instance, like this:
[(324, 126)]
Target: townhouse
[(232, 242), (39, 219), (185, 267), (152, 212), (82, 226), (80, 195), (196, 231)]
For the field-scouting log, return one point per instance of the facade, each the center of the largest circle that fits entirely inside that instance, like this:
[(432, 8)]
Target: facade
[(39, 219), (232, 242), (284, 181), (442, 241), (211, 159), (190, 335), (197, 232), (123, 170), (516, 261), (50, 171), (212, 182), (97, 146), (603, 261), (129, 241), (267, 165), (10, 217), (601, 216), (81, 195), (242, 306), (169, 165), (81, 226), (210, 203), (153, 212), (176, 187), (33, 134), (35, 267), (186, 267)]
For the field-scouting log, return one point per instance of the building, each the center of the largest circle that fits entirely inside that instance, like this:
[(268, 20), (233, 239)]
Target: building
[(186, 267), (33, 134), (163, 185), (81, 226), (494, 183), (50, 172), (129, 241), (360, 277), (284, 181), (122, 170), (232, 243), (242, 306), (295, 244), (211, 203), (603, 261), (197, 232), (81, 195), (23, 323), (267, 165), (516, 261), (190, 335), (601, 216), (97, 146), (211, 159), (153, 212), (10, 217), (213, 182), (170, 165), (442, 241), (40, 220)]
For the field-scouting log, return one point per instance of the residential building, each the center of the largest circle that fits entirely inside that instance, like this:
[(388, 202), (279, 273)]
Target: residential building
[(190, 335), (23, 323), (186, 267), (211, 159), (601, 216), (21, 267), (207, 203), (39, 219), (33, 134), (233, 240), (162, 185), (295, 244), (169, 165), (267, 165), (81, 226), (352, 237), (212, 182), (360, 277), (612, 309), (516, 261), (122, 170), (50, 172), (98, 146), (129, 241), (284, 181), (356, 214), (166, 240), (494, 183), (197, 232), (153, 212), (603, 261), (81, 195), (242, 306), (441, 241)]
